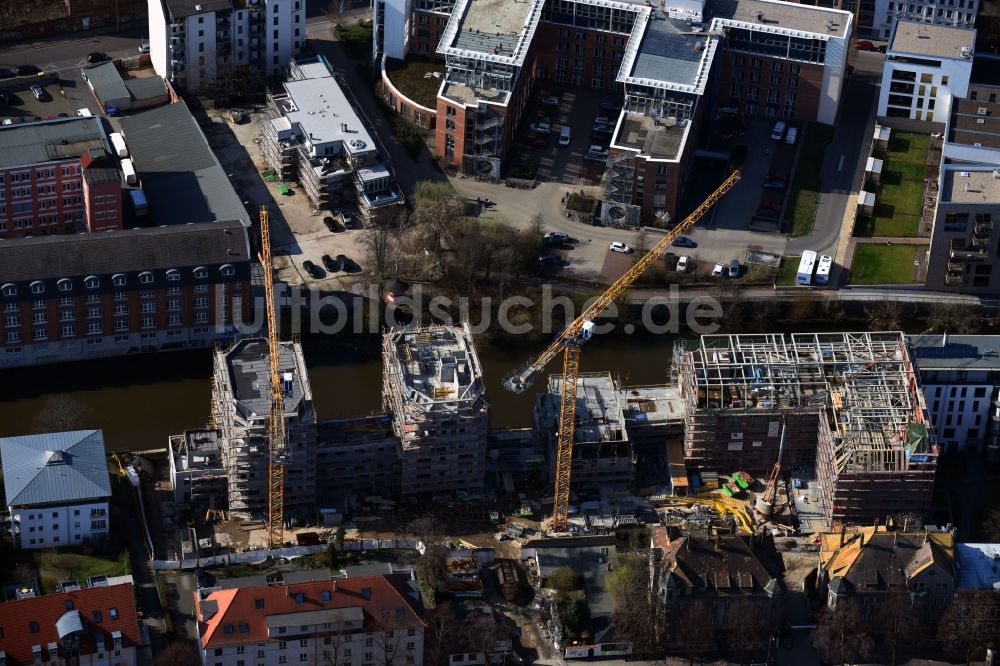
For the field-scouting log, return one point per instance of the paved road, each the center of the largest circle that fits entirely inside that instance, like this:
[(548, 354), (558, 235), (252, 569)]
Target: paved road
[(68, 54), (844, 164)]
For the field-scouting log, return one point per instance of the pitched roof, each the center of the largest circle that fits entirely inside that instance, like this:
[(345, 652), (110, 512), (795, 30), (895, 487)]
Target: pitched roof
[(54, 467), (180, 174), (49, 140), (106, 82), (48, 257), (238, 620), (877, 560), (146, 87), (724, 564), (90, 613)]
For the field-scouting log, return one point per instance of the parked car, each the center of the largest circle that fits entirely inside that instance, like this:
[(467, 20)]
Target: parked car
[(549, 260), (38, 91), (864, 45), (683, 241), (594, 157), (6, 73), (734, 268), (551, 100), (719, 270), (600, 135), (556, 237), (144, 47), (564, 134), (882, 48), (330, 264), (611, 105), (348, 220), (792, 136), (331, 224), (602, 120), (97, 56), (770, 184), (624, 248), (778, 131), (682, 264), (313, 270), (27, 70), (540, 127), (603, 127), (347, 263)]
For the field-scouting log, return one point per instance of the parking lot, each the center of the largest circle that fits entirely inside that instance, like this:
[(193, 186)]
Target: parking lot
[(297, 233), (22, 105), (577, 109)]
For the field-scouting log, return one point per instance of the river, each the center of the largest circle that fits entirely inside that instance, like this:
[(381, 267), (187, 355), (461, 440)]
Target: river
[(139, 400)]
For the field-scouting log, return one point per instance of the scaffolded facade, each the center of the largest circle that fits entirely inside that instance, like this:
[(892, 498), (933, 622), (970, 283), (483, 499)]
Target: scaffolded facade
[(240, 407), (433, 391), (848, 404)]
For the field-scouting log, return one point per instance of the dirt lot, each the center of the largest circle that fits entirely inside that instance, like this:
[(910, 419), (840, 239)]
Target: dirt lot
[(297, 233)]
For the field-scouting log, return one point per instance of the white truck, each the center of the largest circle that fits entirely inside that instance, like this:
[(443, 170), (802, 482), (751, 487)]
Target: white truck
[(118, 143)]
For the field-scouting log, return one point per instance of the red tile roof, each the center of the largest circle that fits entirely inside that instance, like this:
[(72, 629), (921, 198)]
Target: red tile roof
[(16, 617), (237, 606)]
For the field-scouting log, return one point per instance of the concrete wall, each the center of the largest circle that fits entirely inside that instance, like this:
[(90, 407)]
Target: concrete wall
[(159, 38)]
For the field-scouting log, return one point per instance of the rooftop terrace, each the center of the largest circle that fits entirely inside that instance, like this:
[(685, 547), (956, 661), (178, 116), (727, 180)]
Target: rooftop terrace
[(771, 15), (599, 416), (670, 54), (498, 30), (656, 138), (431, 366), (971, 186)]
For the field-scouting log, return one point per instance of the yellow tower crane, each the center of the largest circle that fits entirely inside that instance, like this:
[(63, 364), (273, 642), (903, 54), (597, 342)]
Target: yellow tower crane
[(568, 343), (276, 418)]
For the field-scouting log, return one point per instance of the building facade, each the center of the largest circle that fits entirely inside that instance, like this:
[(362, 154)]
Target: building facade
[(94, 625), (58, 177), (347, 621), (359, 456), (433, 391), (196, 43), (960, 377), (314, 135), (97, 295), (885, 13), (926, 66), (57, 488)]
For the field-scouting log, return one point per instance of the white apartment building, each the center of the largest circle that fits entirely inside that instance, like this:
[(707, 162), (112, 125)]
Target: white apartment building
[(57, 488), (960, 377), (348, 622), (926, 66), (958, 13), (193, 42)]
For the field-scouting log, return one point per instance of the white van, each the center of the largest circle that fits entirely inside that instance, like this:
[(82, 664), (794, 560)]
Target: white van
[(85, 113), (564, 136), (128, 171), (118, 143)]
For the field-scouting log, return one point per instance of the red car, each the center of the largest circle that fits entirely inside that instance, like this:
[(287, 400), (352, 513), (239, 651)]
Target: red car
[(864, 45)]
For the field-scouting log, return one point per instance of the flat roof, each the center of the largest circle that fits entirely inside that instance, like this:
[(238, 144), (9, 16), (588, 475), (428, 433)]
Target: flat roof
[(180, 8), (180, 174), (669, 52), (437, 364), (969, 126), (929, 39), (250, 376), (459, 92), (970, 185), (323, 113), (23, 144), (977, 566), (146, 249), (959, 352), (599, 416), (651, 404), (780, 16), (492, 26), (106, 81), (656, 138), (146, 87)]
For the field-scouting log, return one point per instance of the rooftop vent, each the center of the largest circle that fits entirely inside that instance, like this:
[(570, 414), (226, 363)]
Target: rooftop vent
[(760, 17), (982, 111), (197, 8)]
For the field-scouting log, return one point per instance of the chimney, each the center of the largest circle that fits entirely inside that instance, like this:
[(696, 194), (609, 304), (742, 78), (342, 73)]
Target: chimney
[(906, 523), (687, 543), (843, 533), (861, 536)]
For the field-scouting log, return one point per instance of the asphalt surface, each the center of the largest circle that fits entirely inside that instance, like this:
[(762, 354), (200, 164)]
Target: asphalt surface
[(844, 164)]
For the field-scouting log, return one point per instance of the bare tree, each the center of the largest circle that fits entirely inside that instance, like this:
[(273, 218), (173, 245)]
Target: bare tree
[(441, 634), (970, 626), (381, 252), (536, 225), (63, 412), (953, 317), (900, 624), (178, 653), (884, 315), (840, 635), (333, 653), (634, 612), (388, 638), (990, 527)]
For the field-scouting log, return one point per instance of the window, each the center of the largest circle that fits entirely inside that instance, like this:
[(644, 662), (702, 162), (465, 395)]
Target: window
[(148, 308), (33, 627), (227, 271), (258, 602), (91, 282), (303, 642), (145, 277), (118, 280), (37, 287), (244, 628), (9, 290), (67, 331), (228, 629), (97, 617), (173, 275), (299, 597), (303, 656), (65, 284), (201, 273)]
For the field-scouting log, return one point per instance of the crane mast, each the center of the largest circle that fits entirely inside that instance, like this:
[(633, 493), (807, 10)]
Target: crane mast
[(276, 418), (575, 334)]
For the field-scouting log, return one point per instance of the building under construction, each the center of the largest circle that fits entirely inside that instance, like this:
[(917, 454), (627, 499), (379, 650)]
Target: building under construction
[(848, 404), (241, 400), (197, 477), (355, 458), (602, 453), (433, 391)]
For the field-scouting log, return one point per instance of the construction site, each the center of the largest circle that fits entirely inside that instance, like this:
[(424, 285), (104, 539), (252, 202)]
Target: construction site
[(842, 408), (433, 391)]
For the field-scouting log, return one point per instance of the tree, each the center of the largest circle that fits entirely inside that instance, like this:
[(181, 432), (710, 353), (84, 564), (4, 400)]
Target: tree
[(899, 623), (381, 252), (563, 579), (178, 653), (884, 315), (441, 634), (536, 225), (388, 638), (840, 635), (953, 317), (970, 625), (63, 412), (634, 613), (575, 616), (691, 631)]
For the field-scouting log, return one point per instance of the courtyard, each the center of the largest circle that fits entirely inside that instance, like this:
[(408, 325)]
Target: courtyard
[(899, 196)]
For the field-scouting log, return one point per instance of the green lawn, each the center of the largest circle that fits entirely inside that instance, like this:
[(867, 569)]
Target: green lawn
[(909, 147), (357, 41), (52, 567), (806, 185), (899, 197), (786, 272), (877, 263), (408, 77)]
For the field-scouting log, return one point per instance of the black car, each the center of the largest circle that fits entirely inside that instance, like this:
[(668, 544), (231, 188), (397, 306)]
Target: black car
[(347, 263), (330, 264), (313, 270), (331, 224), (97, 56), (683, 241), (549, 260), (6, 73), (27, 70)]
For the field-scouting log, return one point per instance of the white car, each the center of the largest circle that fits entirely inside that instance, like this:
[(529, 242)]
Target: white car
[(37, 91), (793, 134), (778, 131), (682, 264), (618, 246), (541, 128), (719, 271), (551, 100)]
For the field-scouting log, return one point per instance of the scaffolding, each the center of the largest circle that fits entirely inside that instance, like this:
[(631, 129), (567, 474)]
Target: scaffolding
[(851, 402)]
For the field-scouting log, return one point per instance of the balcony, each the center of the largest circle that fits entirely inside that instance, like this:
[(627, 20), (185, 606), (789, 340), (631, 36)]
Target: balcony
[(956, 266), (983, 228), (982, 241), (970, 253), (954, 279)]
